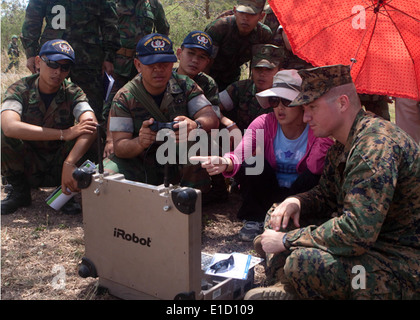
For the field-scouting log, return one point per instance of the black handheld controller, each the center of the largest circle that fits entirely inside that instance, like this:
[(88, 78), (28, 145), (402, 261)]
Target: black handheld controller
[(156, 125)]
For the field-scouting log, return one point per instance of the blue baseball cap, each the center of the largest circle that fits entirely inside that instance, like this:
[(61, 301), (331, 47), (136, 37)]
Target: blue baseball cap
[(155, 48), (57, 49), (200, 40)]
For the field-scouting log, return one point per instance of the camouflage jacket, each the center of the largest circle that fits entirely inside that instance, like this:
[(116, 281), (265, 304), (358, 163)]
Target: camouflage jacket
[(209, 87), (240, 103), (182, 97), (372, 185), (231, 49), (66, 107), (13, 50), (137, 19), (90, 28)]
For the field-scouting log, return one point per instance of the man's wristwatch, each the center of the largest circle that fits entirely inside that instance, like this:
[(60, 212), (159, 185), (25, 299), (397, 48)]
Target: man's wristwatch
[(199, 126)]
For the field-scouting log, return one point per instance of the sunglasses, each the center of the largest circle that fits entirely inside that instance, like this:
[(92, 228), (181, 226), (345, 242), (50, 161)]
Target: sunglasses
[(275, 101), (55, 65)]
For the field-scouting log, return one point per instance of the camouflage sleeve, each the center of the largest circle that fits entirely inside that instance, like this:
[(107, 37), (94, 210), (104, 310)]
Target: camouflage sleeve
[(217, 31), (228, 97), (109, 29), (195, 96), (162, 25), (32, 26), (368, 187), (120, 116), (266, 34), (209, 87)]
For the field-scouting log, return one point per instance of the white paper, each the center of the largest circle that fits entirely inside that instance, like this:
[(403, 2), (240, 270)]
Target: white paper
[(108, 84), (240, 269)]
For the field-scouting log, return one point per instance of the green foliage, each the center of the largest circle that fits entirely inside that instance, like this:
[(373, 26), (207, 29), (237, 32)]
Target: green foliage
[(186, 16), (12, 16), (183, 16)]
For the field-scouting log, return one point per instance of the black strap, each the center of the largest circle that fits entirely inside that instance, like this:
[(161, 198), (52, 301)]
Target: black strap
[(143, 97)]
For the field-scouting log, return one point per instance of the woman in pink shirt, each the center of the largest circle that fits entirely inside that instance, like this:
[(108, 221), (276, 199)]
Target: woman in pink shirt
[(278, 156)]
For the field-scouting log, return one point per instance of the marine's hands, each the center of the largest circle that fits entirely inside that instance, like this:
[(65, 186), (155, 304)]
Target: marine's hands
[(85, 126), (67, 180), (146, 136), (272, 241), (289, 208)]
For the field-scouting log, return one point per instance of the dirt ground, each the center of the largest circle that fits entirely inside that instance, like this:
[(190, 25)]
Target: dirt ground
[(40, 247)]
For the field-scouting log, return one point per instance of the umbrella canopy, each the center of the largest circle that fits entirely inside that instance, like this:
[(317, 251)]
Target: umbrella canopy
[(381, 37)]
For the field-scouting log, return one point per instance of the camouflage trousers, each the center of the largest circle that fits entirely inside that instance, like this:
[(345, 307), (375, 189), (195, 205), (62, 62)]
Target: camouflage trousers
[(91, 82), (318, 274), (145, 168), (41, 167), (13, 63)]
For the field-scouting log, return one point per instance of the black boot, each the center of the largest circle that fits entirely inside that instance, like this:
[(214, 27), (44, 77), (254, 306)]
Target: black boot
[(19, 196)]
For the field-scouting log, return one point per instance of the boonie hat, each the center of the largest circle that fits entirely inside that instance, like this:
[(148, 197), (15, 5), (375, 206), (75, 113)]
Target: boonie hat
[(318, 81), (286, 84), (200, 40), (250, 6), (56, 50), (155, 48), (267, 56)]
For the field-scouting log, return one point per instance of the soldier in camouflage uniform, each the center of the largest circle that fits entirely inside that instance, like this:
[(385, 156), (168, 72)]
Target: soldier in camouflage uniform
[(239, 104), (194, 56), (233, 38), (156, 93), (13, 53), (370, 248), (136, 19), (90, 27), (40, 144)]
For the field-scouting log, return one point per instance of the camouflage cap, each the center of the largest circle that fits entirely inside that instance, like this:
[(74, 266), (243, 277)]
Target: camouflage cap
[(267, 56), (250, 6), (318, 81)]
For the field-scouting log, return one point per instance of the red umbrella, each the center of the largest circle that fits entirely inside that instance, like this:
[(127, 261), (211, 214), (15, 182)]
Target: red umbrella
[(381, 37)]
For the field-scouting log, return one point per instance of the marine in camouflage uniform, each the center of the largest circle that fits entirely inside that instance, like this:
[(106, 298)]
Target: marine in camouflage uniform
[(91, 28), (194, 63), (239, 102), (13, 54), (232, 49), (371, 185), (34, 163), (182, 97), (43, 160), (136, 19)]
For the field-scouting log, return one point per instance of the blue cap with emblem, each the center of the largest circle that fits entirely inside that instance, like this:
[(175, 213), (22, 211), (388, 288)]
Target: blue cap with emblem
[(56, 50), (200, 40), (155, 48)]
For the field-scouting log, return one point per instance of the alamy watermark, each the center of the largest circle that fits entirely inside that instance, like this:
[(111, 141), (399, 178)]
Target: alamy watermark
[(359, 280), (359, 20), (217, 142), (59, 281), (59, 20)]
